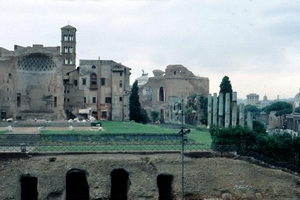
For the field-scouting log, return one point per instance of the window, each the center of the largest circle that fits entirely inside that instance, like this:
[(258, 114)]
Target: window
[(71, 37), (71, 61), (104, 114), (66, 49), (94, 99), (93, 79), (66, 61), (65, 37), (70, 49), (108, 100), (161, 94), (68, 100), (120, 98), (75, 82), (94, 67), (55, 101), (121, 73), (102, 81), (9, 75), (18, 100), (84, 99), (121, 84), (83, 81)]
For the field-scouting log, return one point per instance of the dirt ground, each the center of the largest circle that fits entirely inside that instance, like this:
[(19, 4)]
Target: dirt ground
[(35, 129)]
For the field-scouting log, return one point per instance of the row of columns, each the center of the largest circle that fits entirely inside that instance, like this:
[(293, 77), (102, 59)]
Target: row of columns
[(225, 113)]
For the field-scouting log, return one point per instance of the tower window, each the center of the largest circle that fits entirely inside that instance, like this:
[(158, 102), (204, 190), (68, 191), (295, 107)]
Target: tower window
[(102, 81), (65, 37), (121, 84), (121, 73)]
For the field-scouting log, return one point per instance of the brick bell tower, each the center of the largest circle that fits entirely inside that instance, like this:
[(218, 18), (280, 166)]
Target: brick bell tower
[(68, 48)]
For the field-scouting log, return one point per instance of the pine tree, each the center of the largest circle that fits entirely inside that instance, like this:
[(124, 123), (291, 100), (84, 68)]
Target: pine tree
[(134, 103)]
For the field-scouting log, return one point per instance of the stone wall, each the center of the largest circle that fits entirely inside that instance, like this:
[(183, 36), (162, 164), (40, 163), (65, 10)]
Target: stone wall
[(205, 178)]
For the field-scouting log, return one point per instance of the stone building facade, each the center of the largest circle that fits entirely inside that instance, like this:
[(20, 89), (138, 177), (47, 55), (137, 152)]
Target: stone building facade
[(44, 83), (176, 82), (31, 83), (252, 99), (106, 88)]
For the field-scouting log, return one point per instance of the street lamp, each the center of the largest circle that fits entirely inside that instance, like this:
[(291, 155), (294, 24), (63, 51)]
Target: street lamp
[(182, 133)]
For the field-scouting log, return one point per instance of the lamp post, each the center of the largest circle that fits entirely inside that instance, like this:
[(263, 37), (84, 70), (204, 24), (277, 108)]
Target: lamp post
[(182, 134)]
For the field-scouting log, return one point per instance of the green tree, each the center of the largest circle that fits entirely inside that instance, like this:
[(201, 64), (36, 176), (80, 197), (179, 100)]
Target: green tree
[(225, 86), (144, 116), (280, 107), (255, 111), (134, 103), (297, 110), (154, 115)]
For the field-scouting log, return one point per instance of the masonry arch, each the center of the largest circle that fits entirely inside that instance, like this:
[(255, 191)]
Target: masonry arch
[(119, 184), (164, 184), (161, 94), (29, 187), (76, 185)]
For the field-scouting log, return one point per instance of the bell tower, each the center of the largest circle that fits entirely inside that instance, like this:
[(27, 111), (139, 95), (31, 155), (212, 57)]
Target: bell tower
[(68, 47)]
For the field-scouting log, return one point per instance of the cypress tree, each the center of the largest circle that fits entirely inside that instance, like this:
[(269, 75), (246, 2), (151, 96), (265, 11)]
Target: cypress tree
[(134, 103)]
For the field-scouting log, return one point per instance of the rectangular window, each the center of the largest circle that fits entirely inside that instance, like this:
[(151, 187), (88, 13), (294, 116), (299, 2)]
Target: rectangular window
[(75, 82), (121, 73), (108, 100), (121, 84), (83, 81), (18, 101), (9, 75), (68, 100), (84, 99), (102, 81), (104, 114), (94, 99), (55, 101), (120, 98)]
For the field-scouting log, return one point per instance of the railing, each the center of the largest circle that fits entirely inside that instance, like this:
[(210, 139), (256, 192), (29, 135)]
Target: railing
[(16, 143)]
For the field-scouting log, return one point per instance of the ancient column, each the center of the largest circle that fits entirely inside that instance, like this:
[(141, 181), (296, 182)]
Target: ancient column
[(215, 117), (221, 110), (250, 120), (241, 115), (234, 109), (227, 110), (209, 99)]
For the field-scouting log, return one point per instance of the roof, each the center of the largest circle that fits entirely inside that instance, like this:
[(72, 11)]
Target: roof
[(68, 27)]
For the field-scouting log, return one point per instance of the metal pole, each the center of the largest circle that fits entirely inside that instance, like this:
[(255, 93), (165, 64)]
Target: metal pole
[(182, 164)]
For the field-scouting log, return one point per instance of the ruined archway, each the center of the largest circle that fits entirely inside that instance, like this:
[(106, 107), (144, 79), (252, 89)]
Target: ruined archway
[(76, 185), (29, 188), (119, 184), (164, 184)]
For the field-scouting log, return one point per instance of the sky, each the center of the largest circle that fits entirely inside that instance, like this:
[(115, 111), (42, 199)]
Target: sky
[(255, 43)]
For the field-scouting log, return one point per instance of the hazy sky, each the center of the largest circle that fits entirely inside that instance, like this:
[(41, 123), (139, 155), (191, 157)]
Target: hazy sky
[(255, 43)]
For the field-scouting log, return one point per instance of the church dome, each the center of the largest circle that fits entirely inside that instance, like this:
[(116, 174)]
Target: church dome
[(297, 100)]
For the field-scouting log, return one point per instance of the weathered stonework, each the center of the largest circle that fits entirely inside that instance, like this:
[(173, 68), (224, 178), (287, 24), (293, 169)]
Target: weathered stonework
[(206, 177), (176, 81), (31, 83)]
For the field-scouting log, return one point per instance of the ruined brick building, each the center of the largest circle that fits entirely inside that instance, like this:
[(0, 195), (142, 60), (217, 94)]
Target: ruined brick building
[(44, 83), (169, 89)]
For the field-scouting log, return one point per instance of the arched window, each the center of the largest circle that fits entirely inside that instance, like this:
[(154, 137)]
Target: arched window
[(161, 94), (93, 79)]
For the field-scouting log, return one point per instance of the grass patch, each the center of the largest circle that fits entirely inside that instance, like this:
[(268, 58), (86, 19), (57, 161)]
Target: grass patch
[(3, 132), (198, 135)]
